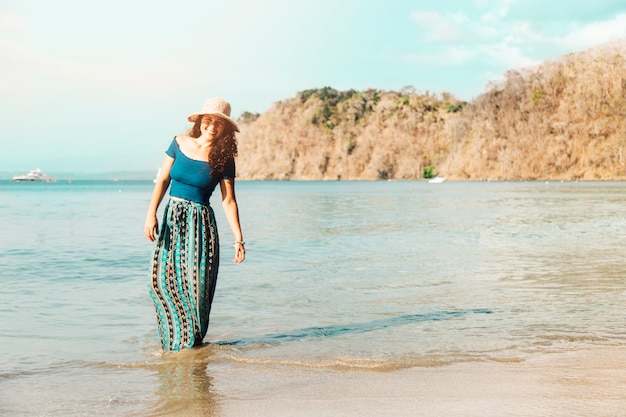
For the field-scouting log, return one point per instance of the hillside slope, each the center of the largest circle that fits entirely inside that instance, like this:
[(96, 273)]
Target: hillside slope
[(562, 120)]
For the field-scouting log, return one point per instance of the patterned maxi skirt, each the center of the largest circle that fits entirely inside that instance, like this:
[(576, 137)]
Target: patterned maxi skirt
[(184, 273)]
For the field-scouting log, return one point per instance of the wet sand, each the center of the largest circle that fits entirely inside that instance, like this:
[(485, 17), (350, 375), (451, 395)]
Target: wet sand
[(581, 383)]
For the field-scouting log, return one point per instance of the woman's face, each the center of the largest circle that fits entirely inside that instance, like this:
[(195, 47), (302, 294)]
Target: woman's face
[(211, 126)]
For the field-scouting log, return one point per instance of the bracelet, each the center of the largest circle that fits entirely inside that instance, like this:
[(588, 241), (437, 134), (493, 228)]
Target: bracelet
[(239, 242)]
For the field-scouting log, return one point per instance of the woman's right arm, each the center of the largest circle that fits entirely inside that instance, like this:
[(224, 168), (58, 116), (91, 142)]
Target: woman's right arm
[(151, 227)]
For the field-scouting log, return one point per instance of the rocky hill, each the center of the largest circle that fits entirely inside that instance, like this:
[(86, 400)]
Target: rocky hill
[(565, 119)]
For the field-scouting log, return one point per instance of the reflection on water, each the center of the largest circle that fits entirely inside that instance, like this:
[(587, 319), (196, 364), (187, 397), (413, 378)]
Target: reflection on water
[(184, 386)]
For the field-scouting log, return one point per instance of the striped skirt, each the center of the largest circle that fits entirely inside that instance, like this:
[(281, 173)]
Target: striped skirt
[(184, 273)]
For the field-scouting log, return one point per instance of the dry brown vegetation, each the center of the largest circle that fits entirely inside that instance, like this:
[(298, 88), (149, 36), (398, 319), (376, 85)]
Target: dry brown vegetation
[(562, 120)]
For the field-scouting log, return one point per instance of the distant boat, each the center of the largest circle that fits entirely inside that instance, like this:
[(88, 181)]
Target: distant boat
[(33, 175), (157, 176), (437, 180)]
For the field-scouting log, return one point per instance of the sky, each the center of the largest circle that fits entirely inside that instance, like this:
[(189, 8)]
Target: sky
[(104, 85)]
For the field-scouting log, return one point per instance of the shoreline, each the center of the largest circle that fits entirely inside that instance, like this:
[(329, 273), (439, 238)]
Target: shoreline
[(590, 382)]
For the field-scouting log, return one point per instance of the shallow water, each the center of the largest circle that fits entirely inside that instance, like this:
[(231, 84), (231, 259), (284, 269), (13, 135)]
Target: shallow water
[(339, 276)]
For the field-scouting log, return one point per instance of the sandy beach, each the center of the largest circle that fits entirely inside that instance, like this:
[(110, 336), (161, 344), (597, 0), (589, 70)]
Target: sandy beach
[(579, 383)]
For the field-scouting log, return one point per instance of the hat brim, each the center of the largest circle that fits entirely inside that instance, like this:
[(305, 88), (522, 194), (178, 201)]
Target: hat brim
[(193, 117)]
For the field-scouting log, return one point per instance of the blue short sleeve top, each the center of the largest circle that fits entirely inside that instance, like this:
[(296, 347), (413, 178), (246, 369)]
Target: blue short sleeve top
[(193, 179)]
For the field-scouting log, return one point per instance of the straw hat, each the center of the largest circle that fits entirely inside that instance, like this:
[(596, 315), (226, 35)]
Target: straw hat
[(217, 106)]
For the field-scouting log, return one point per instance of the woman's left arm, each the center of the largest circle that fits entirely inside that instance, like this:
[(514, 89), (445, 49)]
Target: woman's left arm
[(229, 203)]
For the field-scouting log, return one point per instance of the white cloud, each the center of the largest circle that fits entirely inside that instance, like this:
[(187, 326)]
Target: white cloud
[(501, 41), (497, 9), (440, 27), (17, 71), (11, 21), (500, 55), (451, 56), (523, 33), (488, 39), (26, 70), (594, 33), (505, 55)]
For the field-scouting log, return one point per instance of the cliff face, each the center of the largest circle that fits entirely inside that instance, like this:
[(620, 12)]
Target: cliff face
[(562, 120)]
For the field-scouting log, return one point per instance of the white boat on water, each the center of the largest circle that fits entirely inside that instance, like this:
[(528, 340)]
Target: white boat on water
[(33, 175), (436, 180)]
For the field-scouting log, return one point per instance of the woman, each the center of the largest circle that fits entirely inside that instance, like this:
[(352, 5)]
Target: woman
[(186, 256)]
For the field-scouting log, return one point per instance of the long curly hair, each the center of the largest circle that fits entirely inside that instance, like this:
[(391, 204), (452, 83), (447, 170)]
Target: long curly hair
[(223, 149)]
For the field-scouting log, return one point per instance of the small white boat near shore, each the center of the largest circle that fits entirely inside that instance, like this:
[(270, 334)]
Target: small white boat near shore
[(33, 175), (436, 180)]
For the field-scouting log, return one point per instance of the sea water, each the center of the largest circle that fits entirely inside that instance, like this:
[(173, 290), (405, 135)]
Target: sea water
[(338, 277)]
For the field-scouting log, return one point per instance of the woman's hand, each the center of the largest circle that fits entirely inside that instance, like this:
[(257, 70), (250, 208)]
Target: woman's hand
[(229, 203), (240, 252), (151, 228)]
